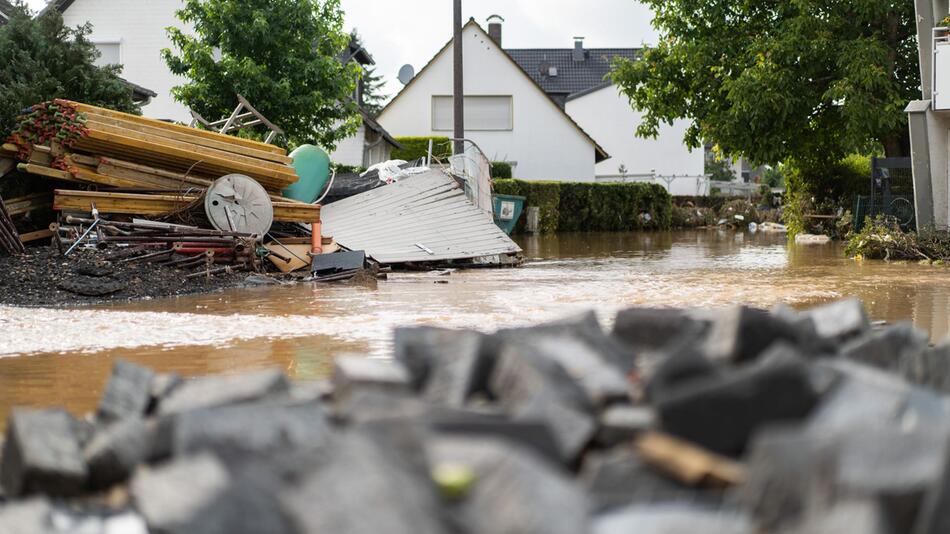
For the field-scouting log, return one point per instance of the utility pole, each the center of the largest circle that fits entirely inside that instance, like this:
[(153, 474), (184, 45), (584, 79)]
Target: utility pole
[(459, 91)]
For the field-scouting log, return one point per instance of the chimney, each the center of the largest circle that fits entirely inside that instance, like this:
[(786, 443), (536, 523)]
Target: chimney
[(494, 28), (579, 53)]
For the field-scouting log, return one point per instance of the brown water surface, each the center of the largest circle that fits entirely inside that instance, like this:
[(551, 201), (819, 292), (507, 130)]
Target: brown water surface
[(63, 356)]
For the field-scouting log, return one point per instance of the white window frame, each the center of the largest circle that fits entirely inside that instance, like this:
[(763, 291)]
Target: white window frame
[(117, 42), (511, 112)]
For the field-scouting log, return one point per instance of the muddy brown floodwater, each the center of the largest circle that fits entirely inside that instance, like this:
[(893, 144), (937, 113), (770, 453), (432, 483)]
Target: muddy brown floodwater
[(63, 356)]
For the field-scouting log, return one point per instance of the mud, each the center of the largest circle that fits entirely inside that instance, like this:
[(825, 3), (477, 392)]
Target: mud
[(43, 277)]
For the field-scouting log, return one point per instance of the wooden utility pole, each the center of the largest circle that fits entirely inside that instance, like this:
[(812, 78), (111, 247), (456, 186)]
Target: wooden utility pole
[(459, 91)]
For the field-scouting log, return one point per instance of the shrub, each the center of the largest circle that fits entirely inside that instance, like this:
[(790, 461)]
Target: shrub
[(822, 191), (577, 206), (418, 147), (500, 170), (43, 60)]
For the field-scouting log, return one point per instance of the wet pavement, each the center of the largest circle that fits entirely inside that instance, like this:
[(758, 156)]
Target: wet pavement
[(63, 356)]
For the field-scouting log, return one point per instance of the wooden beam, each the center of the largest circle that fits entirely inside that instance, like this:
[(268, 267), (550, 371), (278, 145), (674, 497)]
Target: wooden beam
[(26, 204), (36, 236), (225, 145), (688, 463), (147, 204), (6, 166), (124, 203), (47, 172), (213, 164), (296, 212), (198, 152), (86, 108)]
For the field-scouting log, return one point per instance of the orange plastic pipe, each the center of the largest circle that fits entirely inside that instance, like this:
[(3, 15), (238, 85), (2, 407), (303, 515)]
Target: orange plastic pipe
[(316, 237)]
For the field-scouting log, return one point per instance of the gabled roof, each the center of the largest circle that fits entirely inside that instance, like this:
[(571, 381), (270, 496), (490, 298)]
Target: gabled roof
[(371, 123), (601, 154), (61, 5), (572, 76)]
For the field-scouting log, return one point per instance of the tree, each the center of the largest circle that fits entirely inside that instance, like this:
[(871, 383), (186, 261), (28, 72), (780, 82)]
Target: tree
[(809, 80), (719, 170), (43, 60), (282, 55), (373, 98)]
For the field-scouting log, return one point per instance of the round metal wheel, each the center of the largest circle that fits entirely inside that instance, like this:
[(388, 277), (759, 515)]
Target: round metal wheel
[(237, 203), (903, 210)]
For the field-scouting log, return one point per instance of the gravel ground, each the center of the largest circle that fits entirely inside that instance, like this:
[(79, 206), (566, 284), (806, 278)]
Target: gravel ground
[(43, 277)]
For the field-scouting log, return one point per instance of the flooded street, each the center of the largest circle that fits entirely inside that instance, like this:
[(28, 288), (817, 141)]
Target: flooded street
[(62, 356)]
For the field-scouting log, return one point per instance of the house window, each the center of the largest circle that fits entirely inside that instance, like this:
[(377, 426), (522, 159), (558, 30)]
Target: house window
[(109, 54), (482, 113)]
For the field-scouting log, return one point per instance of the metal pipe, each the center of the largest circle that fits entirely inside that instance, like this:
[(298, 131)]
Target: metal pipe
[(147, 256), (458, 90), (83, 236)]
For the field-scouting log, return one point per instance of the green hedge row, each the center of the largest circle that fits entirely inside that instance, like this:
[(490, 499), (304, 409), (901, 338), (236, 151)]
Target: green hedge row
[(500, 170), (418, 147), (592, 207)]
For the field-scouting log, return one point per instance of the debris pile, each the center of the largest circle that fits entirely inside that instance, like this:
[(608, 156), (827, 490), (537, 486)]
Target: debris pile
[(732, 422), (167, 192)]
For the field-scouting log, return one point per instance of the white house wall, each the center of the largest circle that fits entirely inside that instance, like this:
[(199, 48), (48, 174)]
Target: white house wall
[(610, 119), (350, 150), (543, 143), (139, 27)]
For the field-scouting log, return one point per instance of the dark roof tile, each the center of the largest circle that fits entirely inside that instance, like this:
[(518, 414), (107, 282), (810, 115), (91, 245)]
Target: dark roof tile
[(572, 76)]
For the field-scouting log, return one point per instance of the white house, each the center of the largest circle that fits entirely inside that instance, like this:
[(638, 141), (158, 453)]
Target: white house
[(574, 80), (133, 34), (507, 114)]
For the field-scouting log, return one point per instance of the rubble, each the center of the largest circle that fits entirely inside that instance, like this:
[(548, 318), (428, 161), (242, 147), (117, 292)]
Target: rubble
[(743, 428), (147, 201)]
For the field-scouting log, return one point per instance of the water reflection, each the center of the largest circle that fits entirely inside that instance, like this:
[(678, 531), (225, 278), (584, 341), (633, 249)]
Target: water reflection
[(300, 328)]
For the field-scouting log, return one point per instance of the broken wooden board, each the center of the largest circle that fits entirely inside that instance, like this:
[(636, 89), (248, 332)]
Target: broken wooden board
[(151, 205), (688, 463), (299, 256)]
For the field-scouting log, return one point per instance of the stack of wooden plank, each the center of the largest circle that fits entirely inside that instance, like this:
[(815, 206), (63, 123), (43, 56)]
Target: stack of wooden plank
[(160, 167)]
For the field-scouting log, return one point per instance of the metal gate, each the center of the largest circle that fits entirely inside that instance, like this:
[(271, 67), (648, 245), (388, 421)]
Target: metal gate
[(892, 194)]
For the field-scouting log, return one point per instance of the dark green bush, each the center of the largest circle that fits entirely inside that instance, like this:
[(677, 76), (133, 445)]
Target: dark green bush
[(500, 170), (576, 206), (418, 147), (822, 191)]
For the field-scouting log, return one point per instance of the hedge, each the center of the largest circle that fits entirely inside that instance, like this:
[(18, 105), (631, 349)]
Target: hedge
[(500, 170), (418, 147), (593, 207)]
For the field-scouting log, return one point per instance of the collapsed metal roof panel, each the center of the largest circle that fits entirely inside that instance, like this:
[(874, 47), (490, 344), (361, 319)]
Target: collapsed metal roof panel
[(423, 218)]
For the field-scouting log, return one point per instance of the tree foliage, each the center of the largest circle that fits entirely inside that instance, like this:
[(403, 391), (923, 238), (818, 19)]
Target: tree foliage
[(810, 80), (719, 170), (373, 98), (284, 56), (43, 60)]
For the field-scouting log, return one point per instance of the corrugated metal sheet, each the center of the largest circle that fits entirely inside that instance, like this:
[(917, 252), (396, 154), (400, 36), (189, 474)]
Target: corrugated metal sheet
[(422, 218)]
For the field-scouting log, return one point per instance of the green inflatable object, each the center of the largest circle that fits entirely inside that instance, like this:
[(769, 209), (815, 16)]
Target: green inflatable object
[(313, 168)]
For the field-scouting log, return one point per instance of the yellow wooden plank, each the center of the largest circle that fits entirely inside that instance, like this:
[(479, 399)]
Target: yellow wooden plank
[(124, 203), (203, 151), (36, 236), (687, 462), (225, 145), (86, 108), (47, 172), (294, 212), (212, 164)]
